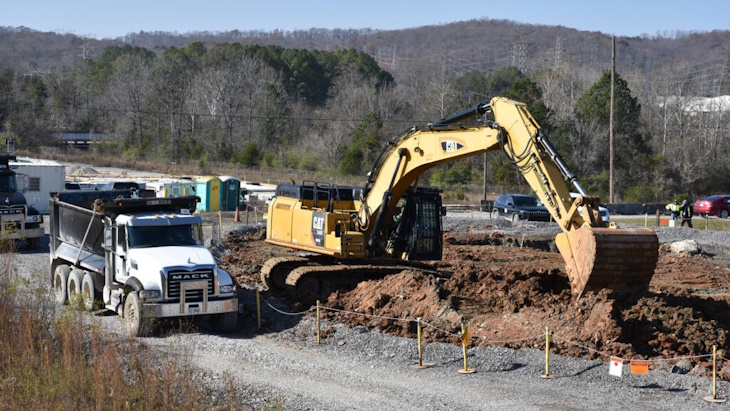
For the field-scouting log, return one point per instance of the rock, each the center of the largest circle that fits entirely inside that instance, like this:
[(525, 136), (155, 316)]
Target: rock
[(686, 247), (682, 366)]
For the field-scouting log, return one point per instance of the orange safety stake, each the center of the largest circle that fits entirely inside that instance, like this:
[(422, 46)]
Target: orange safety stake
[(714, 379), (237, 217), (420, 364), (465, 336), (547, 354)]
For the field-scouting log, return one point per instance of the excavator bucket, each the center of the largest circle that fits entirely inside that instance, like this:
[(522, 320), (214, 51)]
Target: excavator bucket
[(622, 260)]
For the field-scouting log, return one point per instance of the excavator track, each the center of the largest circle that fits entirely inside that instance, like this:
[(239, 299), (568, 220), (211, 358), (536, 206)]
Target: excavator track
[(308, 279), (275, 270)]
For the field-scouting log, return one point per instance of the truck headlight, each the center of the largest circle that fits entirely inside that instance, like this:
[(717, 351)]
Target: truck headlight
[(225, 289), (149, 294), (34, 218)]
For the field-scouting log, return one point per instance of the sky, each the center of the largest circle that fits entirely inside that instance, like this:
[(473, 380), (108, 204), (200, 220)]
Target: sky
[(115, 18)]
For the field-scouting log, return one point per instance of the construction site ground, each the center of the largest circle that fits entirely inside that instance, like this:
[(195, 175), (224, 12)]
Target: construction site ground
[(506, 283)]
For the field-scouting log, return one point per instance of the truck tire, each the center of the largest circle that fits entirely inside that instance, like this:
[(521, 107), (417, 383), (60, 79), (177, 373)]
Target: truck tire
[(135, 322), (225, 323), (33, 243), (60, 283), (515, 218), (73, 286), (495, 214), (88, 292)]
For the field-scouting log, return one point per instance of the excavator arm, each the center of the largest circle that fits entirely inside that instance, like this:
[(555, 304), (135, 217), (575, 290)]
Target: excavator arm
[(596, 256)]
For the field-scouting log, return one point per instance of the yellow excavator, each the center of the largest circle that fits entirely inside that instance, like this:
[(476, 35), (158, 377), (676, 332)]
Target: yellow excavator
[(351, 233)]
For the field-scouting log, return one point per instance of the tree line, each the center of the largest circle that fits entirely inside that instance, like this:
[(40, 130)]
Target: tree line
[(333, 111)]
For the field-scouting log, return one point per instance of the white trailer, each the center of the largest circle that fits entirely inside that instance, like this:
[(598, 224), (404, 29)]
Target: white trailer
[(170, 187), (257, 191), (39, 178)]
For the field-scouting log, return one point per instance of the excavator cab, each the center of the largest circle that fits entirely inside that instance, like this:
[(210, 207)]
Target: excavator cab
[(415, 228)]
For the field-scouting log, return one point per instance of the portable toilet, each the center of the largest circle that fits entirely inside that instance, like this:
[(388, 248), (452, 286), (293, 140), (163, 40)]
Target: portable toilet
[(208, 189), (230, 190)]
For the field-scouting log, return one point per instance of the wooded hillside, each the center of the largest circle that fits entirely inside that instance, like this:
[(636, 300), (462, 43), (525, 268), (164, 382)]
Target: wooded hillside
[(329, 100)]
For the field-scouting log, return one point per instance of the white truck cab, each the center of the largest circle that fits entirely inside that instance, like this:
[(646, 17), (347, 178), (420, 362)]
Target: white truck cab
[(140, 257)]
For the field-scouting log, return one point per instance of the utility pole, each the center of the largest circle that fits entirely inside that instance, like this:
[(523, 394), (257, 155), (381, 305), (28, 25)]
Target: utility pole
[(485, 177), (610, 121)]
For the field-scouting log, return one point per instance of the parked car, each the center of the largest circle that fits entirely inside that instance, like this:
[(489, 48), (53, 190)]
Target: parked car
[(718, 205), (605, 215), (517, 207)]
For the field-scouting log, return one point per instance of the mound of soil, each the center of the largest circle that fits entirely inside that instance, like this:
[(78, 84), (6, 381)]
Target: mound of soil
[(508, 294)]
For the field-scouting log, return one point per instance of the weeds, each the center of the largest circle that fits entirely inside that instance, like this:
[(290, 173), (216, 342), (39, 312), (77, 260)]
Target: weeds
[(61, 358)]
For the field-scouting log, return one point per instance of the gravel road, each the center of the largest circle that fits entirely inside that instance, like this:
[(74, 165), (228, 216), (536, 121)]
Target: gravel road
[(281, 366)]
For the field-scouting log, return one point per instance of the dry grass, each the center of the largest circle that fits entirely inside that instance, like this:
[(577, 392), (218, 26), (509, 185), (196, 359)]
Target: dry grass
[(192, 168), (61, 359)]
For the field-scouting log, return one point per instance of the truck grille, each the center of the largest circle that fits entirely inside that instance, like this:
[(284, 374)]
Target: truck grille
[(176, 277), (538, 215), (12, 218), (12, 209)]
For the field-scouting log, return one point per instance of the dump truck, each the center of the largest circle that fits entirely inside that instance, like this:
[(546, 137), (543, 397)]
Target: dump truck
[(139, 256), (395, 219), (18, 220)]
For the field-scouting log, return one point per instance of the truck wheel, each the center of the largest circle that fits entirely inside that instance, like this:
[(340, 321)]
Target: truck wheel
[(135, 322), (88, 292), (60, 283), (723, 214), (33, 243), (74, 286), (515, 217), (225, 323), (495, 214)]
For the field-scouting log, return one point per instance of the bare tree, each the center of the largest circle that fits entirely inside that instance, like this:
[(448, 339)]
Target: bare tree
[(128, 92)]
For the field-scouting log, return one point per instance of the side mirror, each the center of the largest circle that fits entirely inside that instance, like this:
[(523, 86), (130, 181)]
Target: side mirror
[(108, 239), (443, 211)]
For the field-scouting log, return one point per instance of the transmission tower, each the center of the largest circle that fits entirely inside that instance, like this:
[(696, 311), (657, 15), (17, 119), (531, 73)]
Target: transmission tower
[(557, 52), (519, 50)]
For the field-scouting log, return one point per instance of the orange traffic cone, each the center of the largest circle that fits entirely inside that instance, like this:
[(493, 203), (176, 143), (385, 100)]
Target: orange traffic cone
[(237, 218)]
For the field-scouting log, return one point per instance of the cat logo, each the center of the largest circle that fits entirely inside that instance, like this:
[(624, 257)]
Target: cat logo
[(450, 146), (318, 227), (317, 223)]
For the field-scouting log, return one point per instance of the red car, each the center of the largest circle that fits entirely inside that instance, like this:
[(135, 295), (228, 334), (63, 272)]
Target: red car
[(718, 205)]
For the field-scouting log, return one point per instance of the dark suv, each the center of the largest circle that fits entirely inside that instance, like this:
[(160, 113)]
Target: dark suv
[(520, 207)]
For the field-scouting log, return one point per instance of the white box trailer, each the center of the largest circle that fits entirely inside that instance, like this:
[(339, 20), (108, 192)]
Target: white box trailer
[(171, 187), (39, 178), (257, 191)]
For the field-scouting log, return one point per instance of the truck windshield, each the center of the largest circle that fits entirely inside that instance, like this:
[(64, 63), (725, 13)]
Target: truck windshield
[(7, 183), (164, 236)]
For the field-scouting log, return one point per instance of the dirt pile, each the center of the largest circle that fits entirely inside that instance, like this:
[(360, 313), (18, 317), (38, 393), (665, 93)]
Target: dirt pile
[(507, 295)]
